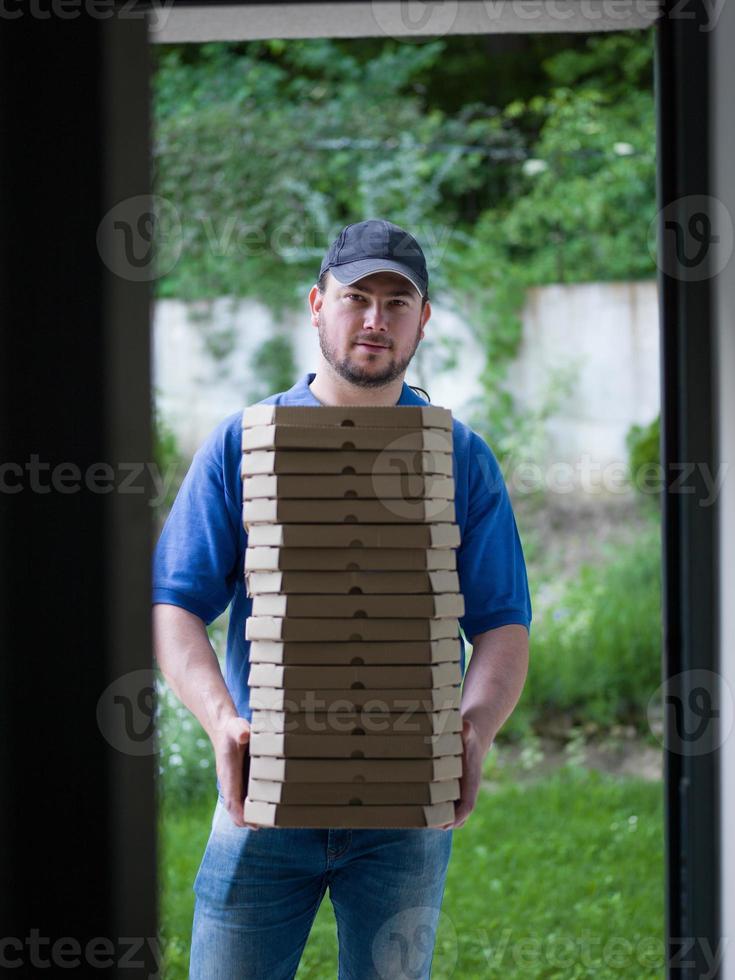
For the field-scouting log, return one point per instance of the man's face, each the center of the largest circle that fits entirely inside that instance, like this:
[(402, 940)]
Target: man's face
[(369, 331)]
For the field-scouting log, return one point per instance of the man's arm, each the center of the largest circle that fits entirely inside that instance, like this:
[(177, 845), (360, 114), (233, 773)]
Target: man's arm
[(493, 683), (494, 680), (189, 664)]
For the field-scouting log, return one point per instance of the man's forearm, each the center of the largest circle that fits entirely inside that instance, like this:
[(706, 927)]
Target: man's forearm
[(190, 666), (494, 679)]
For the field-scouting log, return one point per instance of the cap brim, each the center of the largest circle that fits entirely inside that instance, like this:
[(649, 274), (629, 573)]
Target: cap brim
[(350, 272)]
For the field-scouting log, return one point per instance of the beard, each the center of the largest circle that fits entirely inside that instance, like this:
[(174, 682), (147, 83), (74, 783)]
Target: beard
[(365, 376)]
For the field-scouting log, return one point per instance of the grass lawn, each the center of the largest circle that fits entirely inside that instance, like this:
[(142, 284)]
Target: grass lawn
[(561, 878)]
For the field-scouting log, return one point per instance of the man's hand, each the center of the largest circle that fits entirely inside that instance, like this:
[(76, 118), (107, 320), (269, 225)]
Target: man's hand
[(190, 666), (230, 745), (473, 754), (491, 688)]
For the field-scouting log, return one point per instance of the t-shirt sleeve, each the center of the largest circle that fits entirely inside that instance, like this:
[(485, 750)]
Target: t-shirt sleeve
[(196, 561), (490, 563)]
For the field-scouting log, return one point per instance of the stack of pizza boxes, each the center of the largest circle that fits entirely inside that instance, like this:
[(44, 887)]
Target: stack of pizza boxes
[(354, 637)]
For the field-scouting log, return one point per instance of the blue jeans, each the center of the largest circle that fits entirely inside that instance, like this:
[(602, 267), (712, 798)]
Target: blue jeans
[(258, 891)]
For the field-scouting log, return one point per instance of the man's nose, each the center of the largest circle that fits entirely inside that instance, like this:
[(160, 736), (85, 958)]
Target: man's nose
[(375, 317)]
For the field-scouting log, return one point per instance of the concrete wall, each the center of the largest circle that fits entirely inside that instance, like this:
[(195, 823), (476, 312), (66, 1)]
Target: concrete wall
[(606, 335), (602, 336)]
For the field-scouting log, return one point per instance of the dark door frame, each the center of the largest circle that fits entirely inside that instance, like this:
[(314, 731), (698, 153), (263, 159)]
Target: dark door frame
[(78, 838)]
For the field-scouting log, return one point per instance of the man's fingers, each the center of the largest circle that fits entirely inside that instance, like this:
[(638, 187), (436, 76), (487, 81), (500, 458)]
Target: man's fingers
[(236, 813), (230, 773), (230, 757), (231, 779), (238, 729)]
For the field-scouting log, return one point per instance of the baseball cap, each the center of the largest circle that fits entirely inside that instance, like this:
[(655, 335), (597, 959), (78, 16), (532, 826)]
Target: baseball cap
[(376, 245)]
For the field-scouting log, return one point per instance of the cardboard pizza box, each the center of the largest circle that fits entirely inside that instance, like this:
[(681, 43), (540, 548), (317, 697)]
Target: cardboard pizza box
[(340, 794), (350, 630), (343, 583), (331, 746), (355, 770), (365, 721), (383, 486), (429, 416), (397, 699), (270, 511), (335, 437), (355, 654), (350, 559), (328, 677), (354, 536), (283, 815), (366, 461), (431, 606)]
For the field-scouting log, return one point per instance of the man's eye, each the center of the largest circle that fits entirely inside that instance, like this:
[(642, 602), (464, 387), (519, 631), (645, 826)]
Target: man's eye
[(354, 296)]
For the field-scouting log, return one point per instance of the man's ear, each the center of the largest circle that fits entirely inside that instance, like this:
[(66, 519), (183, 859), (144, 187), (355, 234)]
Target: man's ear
[(316, 300), (425, 314)]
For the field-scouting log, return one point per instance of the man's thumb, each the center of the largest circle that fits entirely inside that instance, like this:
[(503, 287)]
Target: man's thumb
[(239, 730)]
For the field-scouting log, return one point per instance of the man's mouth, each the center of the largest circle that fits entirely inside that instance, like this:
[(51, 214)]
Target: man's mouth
[(362, 343)]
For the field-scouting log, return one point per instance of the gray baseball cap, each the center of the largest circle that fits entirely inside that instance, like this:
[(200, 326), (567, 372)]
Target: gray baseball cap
[(376, 245)]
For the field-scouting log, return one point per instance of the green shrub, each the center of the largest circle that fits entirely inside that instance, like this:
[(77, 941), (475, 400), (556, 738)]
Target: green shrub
[(644, 457), (596, 653), (273, 367), (186, 760), (186, 770), (170, 462)]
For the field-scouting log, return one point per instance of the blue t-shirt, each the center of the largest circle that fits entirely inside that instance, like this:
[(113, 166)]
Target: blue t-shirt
[(200, 556)]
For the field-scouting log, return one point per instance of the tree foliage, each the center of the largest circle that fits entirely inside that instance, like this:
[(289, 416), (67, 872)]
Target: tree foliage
[(577, 209), (266, 153)]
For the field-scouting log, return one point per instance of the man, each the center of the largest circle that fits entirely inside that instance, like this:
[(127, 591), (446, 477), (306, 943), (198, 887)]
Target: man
[(258, 889)]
